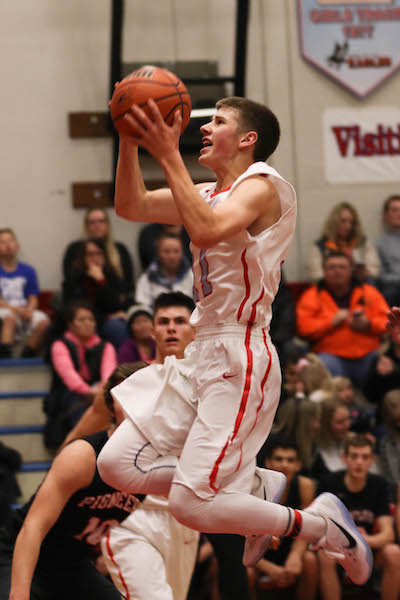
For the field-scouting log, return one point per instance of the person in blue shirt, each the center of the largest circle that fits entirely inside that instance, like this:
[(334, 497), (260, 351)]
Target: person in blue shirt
[(19, 293)]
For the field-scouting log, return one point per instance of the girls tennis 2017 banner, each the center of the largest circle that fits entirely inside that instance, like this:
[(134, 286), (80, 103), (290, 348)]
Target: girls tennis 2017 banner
[(354, 42)]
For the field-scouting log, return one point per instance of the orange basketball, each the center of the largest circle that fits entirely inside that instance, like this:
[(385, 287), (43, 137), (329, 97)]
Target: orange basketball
[(166, 89)]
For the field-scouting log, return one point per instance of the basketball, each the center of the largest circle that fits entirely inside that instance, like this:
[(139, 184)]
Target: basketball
[(167, 90)]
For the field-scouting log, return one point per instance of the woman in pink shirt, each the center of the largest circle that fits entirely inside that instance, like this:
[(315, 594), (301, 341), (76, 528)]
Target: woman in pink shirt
[(81, 362)]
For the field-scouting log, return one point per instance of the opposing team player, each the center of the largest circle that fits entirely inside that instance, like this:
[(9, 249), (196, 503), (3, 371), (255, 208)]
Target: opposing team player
[(240, 228)]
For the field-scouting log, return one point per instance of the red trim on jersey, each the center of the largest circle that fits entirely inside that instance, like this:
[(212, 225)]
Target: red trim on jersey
[(245, 395), (216, 193), (195, 291), (247, 284), (111, 557), (205, 270)]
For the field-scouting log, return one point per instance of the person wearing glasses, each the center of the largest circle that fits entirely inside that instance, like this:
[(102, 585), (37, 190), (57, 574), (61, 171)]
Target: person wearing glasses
[(96, 225)]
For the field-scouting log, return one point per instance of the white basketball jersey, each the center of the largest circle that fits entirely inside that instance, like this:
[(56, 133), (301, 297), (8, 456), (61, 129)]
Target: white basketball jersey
[(236, 280)]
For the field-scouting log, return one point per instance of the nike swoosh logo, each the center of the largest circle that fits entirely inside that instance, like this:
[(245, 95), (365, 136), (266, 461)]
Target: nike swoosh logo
[(265, 493), (351, 540), (227, 376)]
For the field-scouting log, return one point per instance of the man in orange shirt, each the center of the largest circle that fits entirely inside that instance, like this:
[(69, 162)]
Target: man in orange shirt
[(344, 320)]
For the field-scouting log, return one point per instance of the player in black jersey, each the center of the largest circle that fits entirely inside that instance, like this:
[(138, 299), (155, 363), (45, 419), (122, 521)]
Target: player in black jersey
[(290, 564), (366, 495), (54, 535)]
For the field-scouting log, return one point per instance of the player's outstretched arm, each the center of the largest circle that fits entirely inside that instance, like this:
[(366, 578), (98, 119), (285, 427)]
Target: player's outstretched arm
[(132, 200), (71, 470)]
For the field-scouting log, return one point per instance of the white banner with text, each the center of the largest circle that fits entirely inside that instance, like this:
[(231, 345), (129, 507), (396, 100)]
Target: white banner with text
[(362, 145)]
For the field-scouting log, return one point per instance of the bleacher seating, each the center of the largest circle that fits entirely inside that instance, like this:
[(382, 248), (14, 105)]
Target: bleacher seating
[(23, 384)]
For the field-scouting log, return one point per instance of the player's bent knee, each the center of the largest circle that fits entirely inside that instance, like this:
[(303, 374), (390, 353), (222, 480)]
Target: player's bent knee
[(184, 506)]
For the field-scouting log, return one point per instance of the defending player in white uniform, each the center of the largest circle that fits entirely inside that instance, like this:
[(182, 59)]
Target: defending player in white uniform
[(151, 556), (238, 245)]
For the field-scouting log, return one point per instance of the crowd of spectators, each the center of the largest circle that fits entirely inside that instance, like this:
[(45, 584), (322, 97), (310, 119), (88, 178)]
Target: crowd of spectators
[(338, 424)]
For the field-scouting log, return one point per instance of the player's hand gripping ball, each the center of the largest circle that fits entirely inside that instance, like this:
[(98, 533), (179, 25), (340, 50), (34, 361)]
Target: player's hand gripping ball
[(167, 90)]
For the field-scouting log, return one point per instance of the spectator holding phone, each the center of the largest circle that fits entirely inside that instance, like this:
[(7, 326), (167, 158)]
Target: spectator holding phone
[(343, 320)]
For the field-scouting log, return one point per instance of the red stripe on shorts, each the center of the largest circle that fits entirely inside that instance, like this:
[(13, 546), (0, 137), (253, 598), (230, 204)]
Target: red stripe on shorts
[(264, 381), (111, 557), (245, 395)]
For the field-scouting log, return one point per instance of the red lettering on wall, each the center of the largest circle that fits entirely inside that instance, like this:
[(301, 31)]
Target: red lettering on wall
[(344, 135), (352, 142)]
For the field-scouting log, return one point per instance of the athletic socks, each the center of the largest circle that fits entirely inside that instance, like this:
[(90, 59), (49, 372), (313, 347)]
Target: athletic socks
[(304, 525)]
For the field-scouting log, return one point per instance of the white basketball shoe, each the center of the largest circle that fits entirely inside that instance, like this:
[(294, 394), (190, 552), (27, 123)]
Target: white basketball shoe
[(271, 488), (342, 540)]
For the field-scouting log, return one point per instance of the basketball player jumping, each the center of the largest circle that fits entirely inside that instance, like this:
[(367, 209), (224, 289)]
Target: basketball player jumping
[(240, 228)]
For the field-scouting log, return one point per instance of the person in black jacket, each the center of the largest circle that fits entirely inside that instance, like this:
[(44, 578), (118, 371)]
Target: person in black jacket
[(383, 374), (47, 551), (148, 237), (97, 226), (10, 463), (283, 322), (92, 277)]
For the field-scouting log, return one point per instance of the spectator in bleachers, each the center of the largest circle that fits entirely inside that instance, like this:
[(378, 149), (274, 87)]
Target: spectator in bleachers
[(147, 242), (92, 277), (81, 361), (299, 420), (283, 322), (343, 232), (97, 226), (366, 497), (389, 251), (389, 445), (19, 292), (290, 373), (334, 430), (343, 320), (140, 345), (361, 414), (291, 564), (384, 372), (171, 271), (314, 379)]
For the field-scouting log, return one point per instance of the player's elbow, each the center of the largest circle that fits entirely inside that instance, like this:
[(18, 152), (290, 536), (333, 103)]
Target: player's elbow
[(202, 243), (205, 239), (124, 210)]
